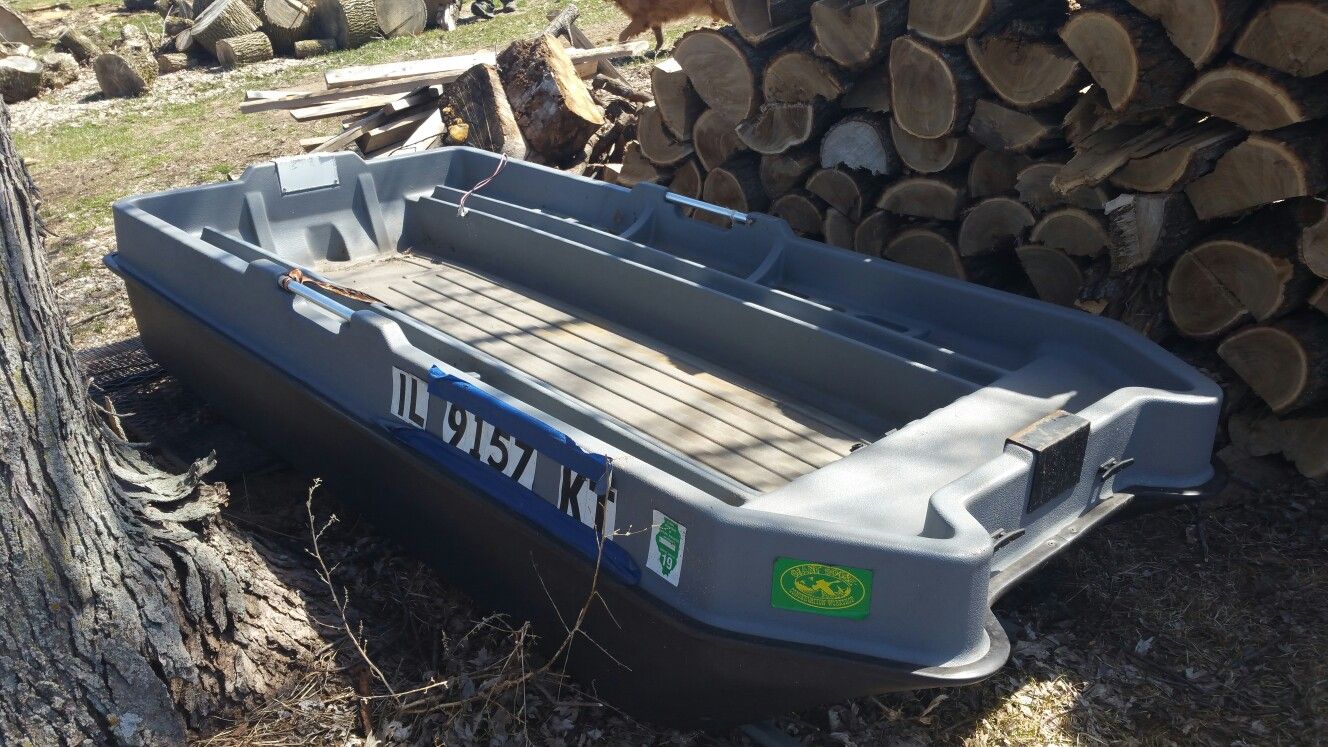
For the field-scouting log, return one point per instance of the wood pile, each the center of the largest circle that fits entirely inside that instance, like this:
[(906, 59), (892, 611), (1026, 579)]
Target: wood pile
[(233, 33), (529, 101), (24, 72), (1159, 162)]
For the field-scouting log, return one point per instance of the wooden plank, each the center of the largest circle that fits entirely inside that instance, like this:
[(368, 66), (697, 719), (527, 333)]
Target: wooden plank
[(392, 132), (309, 143), (347, 106), (447, 69), (428, 134), (298, 99), (382, 116), (579, 39)]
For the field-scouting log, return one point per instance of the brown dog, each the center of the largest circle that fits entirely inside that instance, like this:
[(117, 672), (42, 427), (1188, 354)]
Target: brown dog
[(653, 14)]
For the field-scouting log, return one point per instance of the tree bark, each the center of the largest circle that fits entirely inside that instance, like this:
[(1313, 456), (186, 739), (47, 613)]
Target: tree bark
[(132, 611), (551, 102), (223, 19), (244, 50), (478, 99)]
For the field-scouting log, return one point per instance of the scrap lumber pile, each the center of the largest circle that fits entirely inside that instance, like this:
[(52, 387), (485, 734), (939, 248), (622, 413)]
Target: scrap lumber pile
[(1160, 162), (529, 101)]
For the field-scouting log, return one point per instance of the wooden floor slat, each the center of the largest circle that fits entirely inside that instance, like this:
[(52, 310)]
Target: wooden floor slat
[(693, 409)]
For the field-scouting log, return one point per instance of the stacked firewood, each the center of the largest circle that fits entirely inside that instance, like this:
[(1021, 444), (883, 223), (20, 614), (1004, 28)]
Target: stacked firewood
[(530, 101), (1161, 162)]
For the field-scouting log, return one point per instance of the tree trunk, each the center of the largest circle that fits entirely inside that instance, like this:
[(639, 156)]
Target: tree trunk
[(132, 612), (477, 98), (401, 17), (352, 23), (79, 44), (223, 19), (287, 21), (314, 47), (129, 72), (20, 78)]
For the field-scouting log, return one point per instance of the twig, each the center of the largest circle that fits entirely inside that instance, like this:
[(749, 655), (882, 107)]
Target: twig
[(325, 574)]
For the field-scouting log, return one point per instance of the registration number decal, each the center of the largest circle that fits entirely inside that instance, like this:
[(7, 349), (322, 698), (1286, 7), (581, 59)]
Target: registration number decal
[(490, 445), (577, 499)]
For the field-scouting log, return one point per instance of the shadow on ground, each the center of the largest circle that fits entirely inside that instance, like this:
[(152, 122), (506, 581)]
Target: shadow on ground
[(1199, 626)]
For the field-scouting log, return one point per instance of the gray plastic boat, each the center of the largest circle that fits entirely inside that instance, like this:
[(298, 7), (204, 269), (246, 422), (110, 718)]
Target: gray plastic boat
[(795, 474)]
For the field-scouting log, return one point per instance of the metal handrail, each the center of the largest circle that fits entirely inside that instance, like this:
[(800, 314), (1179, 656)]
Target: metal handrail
[(709, 207)]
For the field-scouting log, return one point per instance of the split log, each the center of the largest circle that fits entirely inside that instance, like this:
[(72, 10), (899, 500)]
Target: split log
[(59, 69), (244, 50), (779, 126), (1198, 28), (1149, 229), (1267, 167), (803, 211), (758, 21), (398, 18), (798, 76), (953, 21), (478, 98), (993, 173), (724, 70), (931, 156), (1055, 276), (1026, 71), (931, 249), (1033, 184), (1128, 54), (783, 172), (1247, 272), (20, 78), (715, 139), (676, 98), (933, 197), (993, 224), (14, 29), (224, 19), (1319, 298), (849, 191), (172, 62), (657, 144), (1103, 153), (636, 169), (1178, 164), (1312, 246), (1288, 35), (736, 184), (1074, 231), (857, 33), (1305, 443), (873, 233), (128, 72), (287, 21), (998, 127), (79, 44), (688, 179), (1257, 98), (314, 47), (861, 141), (932, 89), (352, 23), (552, 104), (1135, 298), (838, 229), (870, 92), (1285, 363)]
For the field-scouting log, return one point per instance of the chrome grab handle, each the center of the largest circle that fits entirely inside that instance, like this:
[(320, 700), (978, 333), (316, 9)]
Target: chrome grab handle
[(709, 207), (314, 297)]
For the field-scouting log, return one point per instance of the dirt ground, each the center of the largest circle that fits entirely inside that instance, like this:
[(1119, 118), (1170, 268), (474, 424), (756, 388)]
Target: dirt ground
[(1205, 626)]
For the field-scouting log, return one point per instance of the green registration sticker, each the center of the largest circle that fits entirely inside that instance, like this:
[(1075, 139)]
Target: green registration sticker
[(835, 590)]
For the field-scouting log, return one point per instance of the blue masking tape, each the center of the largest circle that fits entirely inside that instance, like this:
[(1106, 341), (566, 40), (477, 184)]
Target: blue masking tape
[(545, 439)]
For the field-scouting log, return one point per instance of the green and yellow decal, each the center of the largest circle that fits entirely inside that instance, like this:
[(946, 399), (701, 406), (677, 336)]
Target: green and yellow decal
[(835, 590)]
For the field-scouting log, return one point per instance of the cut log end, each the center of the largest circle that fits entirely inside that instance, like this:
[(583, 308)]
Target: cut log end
[(861, 141), (1285, 363), (926, 249), (932, 89)]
